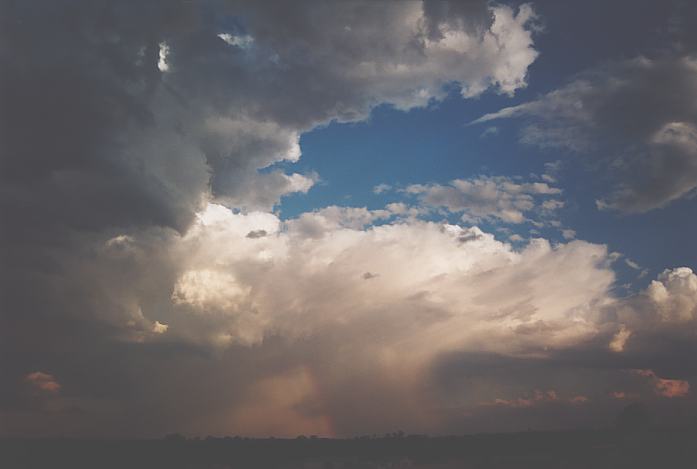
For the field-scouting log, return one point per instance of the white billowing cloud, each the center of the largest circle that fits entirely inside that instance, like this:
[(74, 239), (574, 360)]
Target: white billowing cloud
[(668, 307), (619, 340), (162, 64), (208, 289), (433, 287), (645, 105), (507, 43), (674, 295), (488, 198), (159, 328)]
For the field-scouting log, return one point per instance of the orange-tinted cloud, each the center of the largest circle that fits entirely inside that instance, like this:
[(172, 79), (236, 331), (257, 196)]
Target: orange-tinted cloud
[(672, 387), (665, 387), (43, 381)]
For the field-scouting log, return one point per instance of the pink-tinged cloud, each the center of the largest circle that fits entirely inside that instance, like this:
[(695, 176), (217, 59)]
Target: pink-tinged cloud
[(43, 381), (578, 400), (619, 395), (672, 387), (665, 387)]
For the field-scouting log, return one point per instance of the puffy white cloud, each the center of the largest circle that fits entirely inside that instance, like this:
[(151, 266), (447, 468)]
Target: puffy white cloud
[(674, 295), (489, 198), (163, 53), (666, 308), (620, 339), (159, 328)]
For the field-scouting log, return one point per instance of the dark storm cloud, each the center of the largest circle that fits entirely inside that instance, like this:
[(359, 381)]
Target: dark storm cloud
[(472, 14), (119, 123)]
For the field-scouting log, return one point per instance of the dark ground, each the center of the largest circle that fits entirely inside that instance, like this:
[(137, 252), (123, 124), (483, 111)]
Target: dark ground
[(672, 449)]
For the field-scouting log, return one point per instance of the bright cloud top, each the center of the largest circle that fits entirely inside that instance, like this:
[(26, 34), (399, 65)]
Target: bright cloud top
[(443, 284)]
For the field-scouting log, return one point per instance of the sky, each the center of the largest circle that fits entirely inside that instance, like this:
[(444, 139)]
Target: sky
[(345, 218)]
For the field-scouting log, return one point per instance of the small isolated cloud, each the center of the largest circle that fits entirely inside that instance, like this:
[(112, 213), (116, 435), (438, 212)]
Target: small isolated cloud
[(120, 241), (552, 169), (619, 340), (568, 234), (490, 131), (163, 53), (43, 382), (159, 328), (243, 41), (632, 264), (552, 204), (672, 387), (674, 295), (381, 188)]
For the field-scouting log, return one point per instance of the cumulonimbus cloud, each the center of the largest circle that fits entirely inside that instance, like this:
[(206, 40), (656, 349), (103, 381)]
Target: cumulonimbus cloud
[(143, 266)]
